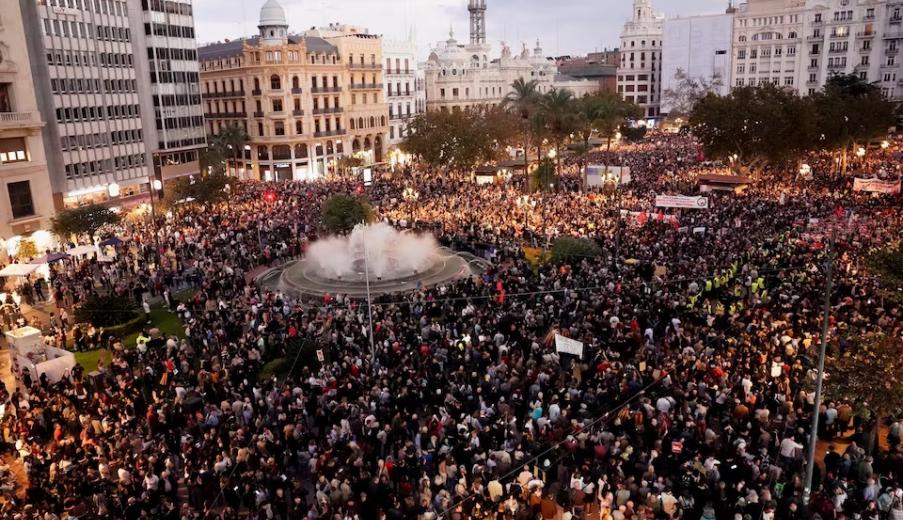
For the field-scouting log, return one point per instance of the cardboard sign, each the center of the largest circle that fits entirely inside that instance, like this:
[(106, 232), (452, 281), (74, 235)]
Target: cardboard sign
[(568, 346), (320, 357)]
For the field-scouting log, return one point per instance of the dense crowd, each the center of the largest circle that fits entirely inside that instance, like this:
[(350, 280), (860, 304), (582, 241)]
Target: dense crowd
[(693, 398)]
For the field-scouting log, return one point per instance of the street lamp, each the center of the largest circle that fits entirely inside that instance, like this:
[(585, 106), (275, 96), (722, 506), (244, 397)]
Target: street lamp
[(884, 145), (860, 152), (410, 196), (526, 203), (552, 153)]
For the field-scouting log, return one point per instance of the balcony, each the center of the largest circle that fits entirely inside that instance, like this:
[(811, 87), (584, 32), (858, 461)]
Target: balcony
[(19, 120), (839, 35), (891, 52), (330, 133), (865, 34), (325, 90), (255, 92), (296, 90), (366, 86), (836, 66), (228, 115), (838, 51), (226, 94), (258, 114), (815, 37), (366, 66), (297, 113), (895, 19), (328, 110)]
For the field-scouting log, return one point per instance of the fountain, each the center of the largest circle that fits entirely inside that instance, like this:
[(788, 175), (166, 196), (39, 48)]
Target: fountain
[(377, 255)]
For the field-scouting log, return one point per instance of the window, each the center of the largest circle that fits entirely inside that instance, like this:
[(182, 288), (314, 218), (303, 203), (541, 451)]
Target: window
[(277, 105), (20, 201), (12, 150), (279, 128), (275, 83)]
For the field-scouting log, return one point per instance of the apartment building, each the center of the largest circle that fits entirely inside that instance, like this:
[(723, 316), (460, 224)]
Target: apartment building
[(404, 86), (26, 204), (305, 100), (640, 70)]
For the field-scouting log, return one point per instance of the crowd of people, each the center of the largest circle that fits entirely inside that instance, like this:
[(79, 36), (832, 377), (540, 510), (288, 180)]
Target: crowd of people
[(693, 398)]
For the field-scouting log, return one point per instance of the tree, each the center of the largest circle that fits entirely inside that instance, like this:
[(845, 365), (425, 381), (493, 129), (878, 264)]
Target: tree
[(850, 110), (887, 264), (348, 163), (83, 220), (342, 212), (687, 92), (559, 110), (869, 372), (604, 114), (754, 126), (522, 100), (27, 249), (543, 177), (232, 141), (459, 139), (106, 311), (206, 189), (568, 248), (212, 158)]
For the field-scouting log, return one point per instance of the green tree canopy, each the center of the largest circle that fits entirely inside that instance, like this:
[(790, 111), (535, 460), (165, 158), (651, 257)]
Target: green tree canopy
[(568, 248), (543, 178), (83, 220), (342, 212), (202, 189), (459, 139)]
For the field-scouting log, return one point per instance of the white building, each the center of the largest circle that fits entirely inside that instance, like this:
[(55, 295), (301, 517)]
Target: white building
[(639, 74), (26, 202), (696, 48), (890, 39), (404, 86), (91, 78), (460, 76)]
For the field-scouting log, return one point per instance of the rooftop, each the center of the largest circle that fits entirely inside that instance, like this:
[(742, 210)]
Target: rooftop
[(228, 49)]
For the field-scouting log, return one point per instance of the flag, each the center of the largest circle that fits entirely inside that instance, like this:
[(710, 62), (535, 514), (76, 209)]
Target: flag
[(839, 212), (642, 218), (501, 292), (660, 216)]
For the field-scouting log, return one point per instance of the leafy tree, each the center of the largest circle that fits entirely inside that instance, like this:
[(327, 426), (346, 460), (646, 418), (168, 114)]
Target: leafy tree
[(106, 311), (633, 133), (349, 162), (568, 248), (203, 190), (27, 249), (83, 220), (342, 212), (603, 114), (232, 140), (888, 265), (850, 110), (870, 373), (754, 126), (523, 101), (212, 159), (543, 177), (459, 139)]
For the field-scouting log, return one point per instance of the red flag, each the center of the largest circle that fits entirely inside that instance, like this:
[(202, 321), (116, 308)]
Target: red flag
[(501, 290), (642, 218), (660, 216)]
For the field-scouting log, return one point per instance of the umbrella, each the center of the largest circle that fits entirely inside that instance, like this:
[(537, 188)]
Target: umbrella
[(112, 241), (49, 258)]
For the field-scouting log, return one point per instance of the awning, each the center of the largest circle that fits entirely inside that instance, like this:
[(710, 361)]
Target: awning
[(112, 241), (82, 250), (18, 270), (49, 258)]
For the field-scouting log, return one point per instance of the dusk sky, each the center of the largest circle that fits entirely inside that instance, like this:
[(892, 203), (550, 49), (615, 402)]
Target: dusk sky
[(563, 26)]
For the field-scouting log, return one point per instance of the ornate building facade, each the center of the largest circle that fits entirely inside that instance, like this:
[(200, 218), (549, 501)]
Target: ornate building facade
[(460, 76), (640, 71), (304, 100)]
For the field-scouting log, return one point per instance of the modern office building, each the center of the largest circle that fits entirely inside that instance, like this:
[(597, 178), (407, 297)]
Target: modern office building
[(90, 75), (890, 40), (26, 203), (461, 76), (639, 74), (174, 87), (695, 50), (305, 100), (404, 86)]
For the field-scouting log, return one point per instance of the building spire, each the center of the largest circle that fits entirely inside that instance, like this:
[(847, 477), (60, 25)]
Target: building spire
[(477, 10)]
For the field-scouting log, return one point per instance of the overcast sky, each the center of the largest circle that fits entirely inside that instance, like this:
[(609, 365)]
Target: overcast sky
[(563, 26)]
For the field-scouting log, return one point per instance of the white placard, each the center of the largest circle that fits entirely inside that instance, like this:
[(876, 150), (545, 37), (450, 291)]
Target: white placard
[(568, 346), (681, 201)]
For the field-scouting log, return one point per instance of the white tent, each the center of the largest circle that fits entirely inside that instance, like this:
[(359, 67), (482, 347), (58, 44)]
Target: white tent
[(18, 269), (82, 250)]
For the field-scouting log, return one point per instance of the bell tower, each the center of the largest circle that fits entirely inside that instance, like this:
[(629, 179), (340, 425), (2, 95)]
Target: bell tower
[(477, 10)]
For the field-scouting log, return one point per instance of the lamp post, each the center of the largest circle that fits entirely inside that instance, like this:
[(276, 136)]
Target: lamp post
[(156, 186), (410, 196), (526, 203)]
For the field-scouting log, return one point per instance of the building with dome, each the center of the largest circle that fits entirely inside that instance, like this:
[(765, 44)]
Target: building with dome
[(306, 100), (464, 75), (640, 71)]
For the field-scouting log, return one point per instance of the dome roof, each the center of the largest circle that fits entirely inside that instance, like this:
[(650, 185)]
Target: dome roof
[(272, 13)]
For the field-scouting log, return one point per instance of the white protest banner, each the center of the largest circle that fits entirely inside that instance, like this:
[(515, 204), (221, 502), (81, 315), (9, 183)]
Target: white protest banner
[(568, 345), (876, 186), (681, 201)]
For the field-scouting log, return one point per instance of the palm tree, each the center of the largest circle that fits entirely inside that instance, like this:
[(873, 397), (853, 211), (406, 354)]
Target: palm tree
[(523, 100), (558, 107), (233, 138)]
